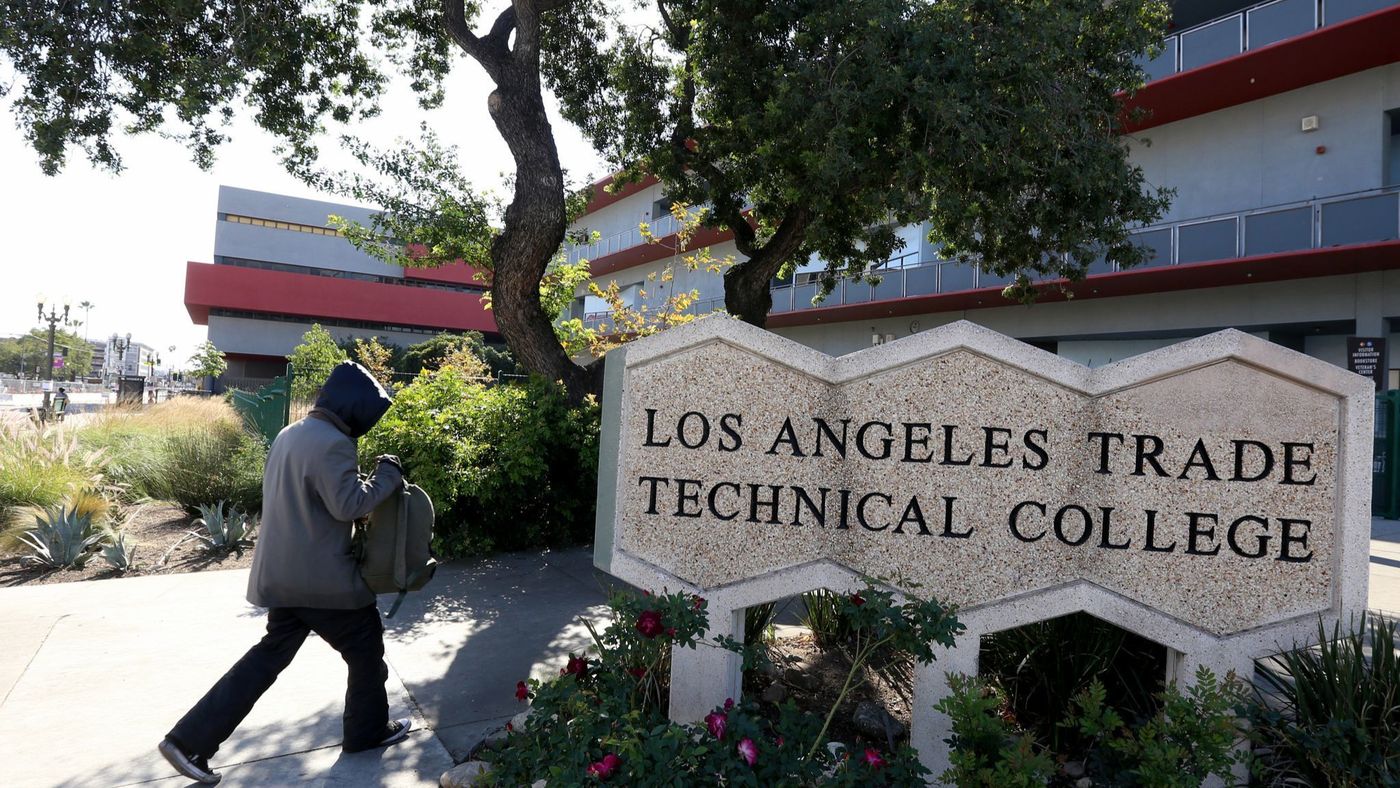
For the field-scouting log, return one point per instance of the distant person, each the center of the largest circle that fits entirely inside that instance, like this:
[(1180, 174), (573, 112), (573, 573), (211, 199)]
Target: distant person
[(304, 573), (60, 403)]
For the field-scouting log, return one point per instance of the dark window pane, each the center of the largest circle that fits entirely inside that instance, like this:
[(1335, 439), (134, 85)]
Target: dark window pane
[(955, 277), (1280, 20), (1213, 42), (1278, 231), (921, 281), (1206, 241), (1334, 11), (891, 285), (1362, 220), (1164, 65), (1158, 244)]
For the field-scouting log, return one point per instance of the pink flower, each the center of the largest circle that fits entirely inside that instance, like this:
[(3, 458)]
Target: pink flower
[(857, 600), (670, 632), (748, 751), (522, 693), (698, 602), (728, 704), (576, 667), (873, 759), (605, 768), (717, 722), (649, 623), (779, 741)]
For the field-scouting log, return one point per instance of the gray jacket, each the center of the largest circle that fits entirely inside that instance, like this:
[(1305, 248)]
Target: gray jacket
[(311, 493)]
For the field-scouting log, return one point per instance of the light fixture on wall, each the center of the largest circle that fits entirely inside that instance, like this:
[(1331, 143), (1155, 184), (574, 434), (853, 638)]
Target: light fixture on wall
[(1310, 123)]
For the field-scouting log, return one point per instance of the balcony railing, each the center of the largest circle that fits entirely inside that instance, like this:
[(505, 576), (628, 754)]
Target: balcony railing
[(1251, 28), (1340, 220), (660, 228)]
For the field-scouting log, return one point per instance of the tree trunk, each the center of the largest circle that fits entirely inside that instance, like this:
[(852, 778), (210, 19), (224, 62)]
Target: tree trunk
[(747, 285)]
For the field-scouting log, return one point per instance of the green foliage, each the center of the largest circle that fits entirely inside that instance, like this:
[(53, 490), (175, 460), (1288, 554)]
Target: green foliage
[(186, 451), (40, 468), (604, 717), (312, 361), (508, 467), (1193, 737), (1042, 667), (61, 537), (26, 354), (431, 354), (827, 125), (822, 615), (1329, 714), (225, 532), (207, 361), (118, 553)]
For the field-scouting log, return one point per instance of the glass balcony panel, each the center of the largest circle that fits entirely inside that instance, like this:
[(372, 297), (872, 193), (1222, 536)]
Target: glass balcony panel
[(1362, 220), (1279, 20), (1207, 241), (1164, 65), (955, 276), (1215, 41), (1287, 230), (1334, 11), (802, 296), (988, 279), (857, 292), (891, 285), (782, 299), (1158, 244), (921, 281)]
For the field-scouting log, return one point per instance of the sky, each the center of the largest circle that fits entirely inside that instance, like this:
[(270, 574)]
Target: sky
[(121, 241)]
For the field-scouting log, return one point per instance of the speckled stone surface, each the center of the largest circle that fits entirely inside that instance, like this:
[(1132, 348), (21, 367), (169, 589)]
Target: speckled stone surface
[(699, 518)]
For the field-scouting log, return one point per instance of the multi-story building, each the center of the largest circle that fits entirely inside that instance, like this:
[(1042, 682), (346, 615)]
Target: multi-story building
[(279, 267), (1278, 125), (99, 358)]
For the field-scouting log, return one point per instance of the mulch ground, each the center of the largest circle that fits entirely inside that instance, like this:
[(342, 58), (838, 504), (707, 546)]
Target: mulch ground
[(163, 546)]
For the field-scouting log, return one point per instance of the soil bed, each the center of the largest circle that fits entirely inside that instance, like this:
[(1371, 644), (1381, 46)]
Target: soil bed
[(156, 530)]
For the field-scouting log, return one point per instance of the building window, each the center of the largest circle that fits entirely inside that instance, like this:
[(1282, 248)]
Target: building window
[(276, 225), (1392, 148)]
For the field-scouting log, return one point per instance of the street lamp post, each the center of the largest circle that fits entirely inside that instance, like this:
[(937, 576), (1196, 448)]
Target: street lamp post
[(119, 348), (53, 319)]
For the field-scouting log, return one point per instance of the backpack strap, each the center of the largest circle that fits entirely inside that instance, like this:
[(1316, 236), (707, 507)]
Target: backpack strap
[(401, 543), (403, 590)]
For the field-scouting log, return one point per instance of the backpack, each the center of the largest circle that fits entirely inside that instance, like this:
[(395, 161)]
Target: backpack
[(394, 546)]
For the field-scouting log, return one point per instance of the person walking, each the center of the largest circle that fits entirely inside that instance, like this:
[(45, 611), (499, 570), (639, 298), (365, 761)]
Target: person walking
[(304, 573)]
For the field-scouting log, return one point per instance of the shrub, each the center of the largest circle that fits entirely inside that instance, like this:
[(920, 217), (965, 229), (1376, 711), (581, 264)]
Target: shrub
[(1329, 714), (604, 718), (822, 615), (1192, 738), (40, 468), (119, 553), (187, 451), (508, 467), (225, 533)]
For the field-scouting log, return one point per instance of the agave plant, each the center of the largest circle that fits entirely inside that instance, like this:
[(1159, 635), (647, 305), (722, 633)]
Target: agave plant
[(61, 537), (225, 532), (119, 554)]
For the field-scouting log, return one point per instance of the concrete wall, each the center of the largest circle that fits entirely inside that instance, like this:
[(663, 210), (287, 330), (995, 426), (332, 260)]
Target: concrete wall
[(1255, 155), (290, 246)]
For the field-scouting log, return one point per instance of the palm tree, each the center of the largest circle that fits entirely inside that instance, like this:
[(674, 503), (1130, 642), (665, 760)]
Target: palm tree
[(86, 306)]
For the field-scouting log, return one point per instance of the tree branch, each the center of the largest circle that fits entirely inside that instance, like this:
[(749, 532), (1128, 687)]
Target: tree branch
[(491, 52)]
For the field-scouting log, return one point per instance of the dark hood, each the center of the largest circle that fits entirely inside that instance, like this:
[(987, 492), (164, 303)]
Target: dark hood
[(353, 395)]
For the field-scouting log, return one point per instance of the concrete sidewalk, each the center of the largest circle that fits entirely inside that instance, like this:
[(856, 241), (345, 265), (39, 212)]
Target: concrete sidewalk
[(93, 674)]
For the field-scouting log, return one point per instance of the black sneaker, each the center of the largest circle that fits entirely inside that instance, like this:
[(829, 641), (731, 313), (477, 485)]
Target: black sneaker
[(394, 732), (195, 767)]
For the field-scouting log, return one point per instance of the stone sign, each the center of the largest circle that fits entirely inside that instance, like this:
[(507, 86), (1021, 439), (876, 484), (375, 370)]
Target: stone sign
[(1212, 496)]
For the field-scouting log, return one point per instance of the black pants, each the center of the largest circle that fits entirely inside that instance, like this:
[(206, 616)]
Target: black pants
[(359, 637)]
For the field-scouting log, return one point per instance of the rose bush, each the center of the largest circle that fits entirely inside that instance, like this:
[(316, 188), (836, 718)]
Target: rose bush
[(604, 718)]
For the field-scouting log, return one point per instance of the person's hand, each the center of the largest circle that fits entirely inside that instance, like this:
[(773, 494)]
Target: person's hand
[(391, 459)]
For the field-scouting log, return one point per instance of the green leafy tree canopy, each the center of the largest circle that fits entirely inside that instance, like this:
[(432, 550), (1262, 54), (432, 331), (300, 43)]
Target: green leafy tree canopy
[(208, 361), (313, 360)]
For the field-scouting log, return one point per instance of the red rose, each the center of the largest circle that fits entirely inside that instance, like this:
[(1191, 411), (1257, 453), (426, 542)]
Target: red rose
[(698, 602), (605, 768), (576, 667), (649, 623), (857, 600), (522, 693), (873, 759), (638, 672), (748, 751), (728, 704), (717, 722), (670, 632)]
